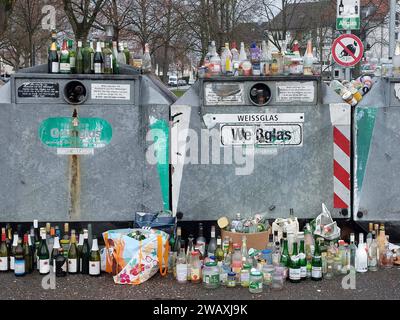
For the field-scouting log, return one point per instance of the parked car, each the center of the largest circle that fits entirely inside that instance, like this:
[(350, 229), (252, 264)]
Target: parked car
[(173, 81), (182, 82)]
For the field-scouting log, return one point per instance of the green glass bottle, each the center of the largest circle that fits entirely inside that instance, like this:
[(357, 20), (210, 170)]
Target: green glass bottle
[(85, 254), (43, 255), (53, 62), (87, 60), (219, 252), (65, 65), (94, 260), (73, 256), (316, 264), (127, 53), (302, 261), (72, 56), (12, 251), (79, 58), (285, 252), (294, 266), (3, 252), (28, 254), (108, 59), (98, 60)]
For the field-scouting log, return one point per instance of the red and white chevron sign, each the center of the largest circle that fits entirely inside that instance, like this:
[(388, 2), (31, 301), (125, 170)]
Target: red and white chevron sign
[(341, 166)]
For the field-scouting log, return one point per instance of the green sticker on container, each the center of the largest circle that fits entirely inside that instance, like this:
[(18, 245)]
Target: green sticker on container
[(82, 133)]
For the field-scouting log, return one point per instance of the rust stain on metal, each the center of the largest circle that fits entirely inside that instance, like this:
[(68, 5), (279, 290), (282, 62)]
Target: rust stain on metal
[(74, 181)]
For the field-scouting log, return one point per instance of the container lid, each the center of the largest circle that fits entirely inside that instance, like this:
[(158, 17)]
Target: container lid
[(247, 266), (211, 264), (236, 246), (195, 253), (256, 273), (232, 274), (266, 251), (223, 222)]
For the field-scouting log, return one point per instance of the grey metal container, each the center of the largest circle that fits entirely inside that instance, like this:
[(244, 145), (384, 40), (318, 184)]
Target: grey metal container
[(216, 128), (109, 185), (377, 154)]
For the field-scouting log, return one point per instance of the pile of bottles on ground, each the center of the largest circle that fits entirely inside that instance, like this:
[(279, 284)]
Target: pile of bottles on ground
[(292, 257), (45, 248), (84, 59), (258, 61)]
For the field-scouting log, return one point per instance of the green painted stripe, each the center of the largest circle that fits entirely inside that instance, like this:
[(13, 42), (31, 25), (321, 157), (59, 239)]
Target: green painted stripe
[(162, 150), (365, 124)]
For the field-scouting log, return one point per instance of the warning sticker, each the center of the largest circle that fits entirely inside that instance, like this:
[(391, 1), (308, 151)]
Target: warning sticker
[(105, 91)]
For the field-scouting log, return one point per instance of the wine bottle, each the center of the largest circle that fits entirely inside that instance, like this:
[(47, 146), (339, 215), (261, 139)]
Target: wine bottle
[(115, 58), (65, 241), (294, 266), (98, 59), (53, 60), (146, 67), (85, 254), (73, 256), (43, 255), (212, 245), (201, 241), (19, 260), (79, 58), (94, 260), (361, 255), (108, 59), (177, 243), (65, 65), (59, 260), (72, 56), (12, 252), (28, 257), (127, 53), (3, 252), (316, 263)]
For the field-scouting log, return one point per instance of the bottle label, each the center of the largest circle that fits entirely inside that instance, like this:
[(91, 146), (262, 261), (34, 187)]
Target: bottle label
[(108, 62), (211, 279), (19, 267), (44, 266), (94, 268), (73, 265), (303, 272), (316, 272), (195, 274), (244, 277), (12, 264), (3, 263), (223, 277), (137, 63), (181, 272), (55, 67), (65, 67), (72, 62), (294, 274), (97, 68)]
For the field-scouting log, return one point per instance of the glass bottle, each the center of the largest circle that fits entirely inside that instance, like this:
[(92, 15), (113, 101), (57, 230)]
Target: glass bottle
[(65, 65), (294, 266), (226, 60), (244, 251), (201, 240), (225, 245), (12, 251), (53, 62), (189, 251), (237, 261), (177, 244), (146, 67), (381, 240), (212, 245), (73, 256), (265, 59), (115, 58), (79, 58), (235, 59), (43, 255), (302, 261), (361, 255), (181, 265), (127, 53), (85, 253), (219, 252), (353, 250), (369, 235), (3, 252), (285, 252), (94, 259), (373, 254), (387, 256), (72, 56), (316, 264), (276, 254), (308, 60), (195, 268), (28, 254), (107, 59), (98, 60), (255, 56), (19, 260)]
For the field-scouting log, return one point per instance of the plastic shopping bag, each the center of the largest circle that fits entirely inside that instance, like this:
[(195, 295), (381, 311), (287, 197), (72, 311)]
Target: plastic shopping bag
[(133, 261), (324, 226), (290, 225)]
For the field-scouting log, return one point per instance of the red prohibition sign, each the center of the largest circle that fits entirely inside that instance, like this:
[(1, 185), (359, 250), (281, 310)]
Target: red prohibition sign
[(344, 48)]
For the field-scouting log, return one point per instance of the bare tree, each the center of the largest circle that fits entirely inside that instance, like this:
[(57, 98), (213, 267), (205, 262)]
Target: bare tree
[(81, 15)]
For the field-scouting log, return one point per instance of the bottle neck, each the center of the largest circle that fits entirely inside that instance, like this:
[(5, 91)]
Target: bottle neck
[(95, 246), (56, 243)]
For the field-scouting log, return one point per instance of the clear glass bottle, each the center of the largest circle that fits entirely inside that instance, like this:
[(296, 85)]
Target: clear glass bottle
[(245, 275), (244, 251), (237, 261), (387, 256), (181, 265), (373, 253), (212, 245), (195, 267), (361, 255)]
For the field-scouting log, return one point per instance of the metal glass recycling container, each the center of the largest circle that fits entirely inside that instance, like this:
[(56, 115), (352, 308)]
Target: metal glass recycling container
[(260, 145), (377, 154), (78, 147)]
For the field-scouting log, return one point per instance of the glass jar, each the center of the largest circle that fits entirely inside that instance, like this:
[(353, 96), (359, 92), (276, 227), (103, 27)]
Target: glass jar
[(256, 282), (245, 275), (211, 275), (267, 256), (296, 66), (278, 279), (231, 282), (337, 266), (268, 271), (329, 269)]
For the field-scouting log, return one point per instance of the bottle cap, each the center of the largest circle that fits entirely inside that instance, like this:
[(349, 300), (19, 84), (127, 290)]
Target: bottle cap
[(223, 222)]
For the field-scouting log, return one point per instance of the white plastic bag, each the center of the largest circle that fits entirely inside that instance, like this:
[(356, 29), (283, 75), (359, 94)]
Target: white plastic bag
[(290, 225), (325, 227)]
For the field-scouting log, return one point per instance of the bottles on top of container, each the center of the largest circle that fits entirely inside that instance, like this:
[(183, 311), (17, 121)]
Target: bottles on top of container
[(352, 92), (258, 60)]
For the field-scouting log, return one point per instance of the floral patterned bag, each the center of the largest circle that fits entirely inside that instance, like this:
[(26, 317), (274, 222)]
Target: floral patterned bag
[(131, 261)]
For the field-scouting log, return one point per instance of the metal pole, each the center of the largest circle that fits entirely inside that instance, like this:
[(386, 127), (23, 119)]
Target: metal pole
[(348, 70), (392, 26)]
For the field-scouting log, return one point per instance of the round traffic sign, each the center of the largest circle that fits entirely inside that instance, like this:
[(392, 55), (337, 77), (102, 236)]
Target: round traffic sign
[(347, 50)]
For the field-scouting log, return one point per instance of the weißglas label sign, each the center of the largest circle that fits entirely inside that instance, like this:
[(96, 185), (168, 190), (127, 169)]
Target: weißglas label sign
[(348, 15)]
